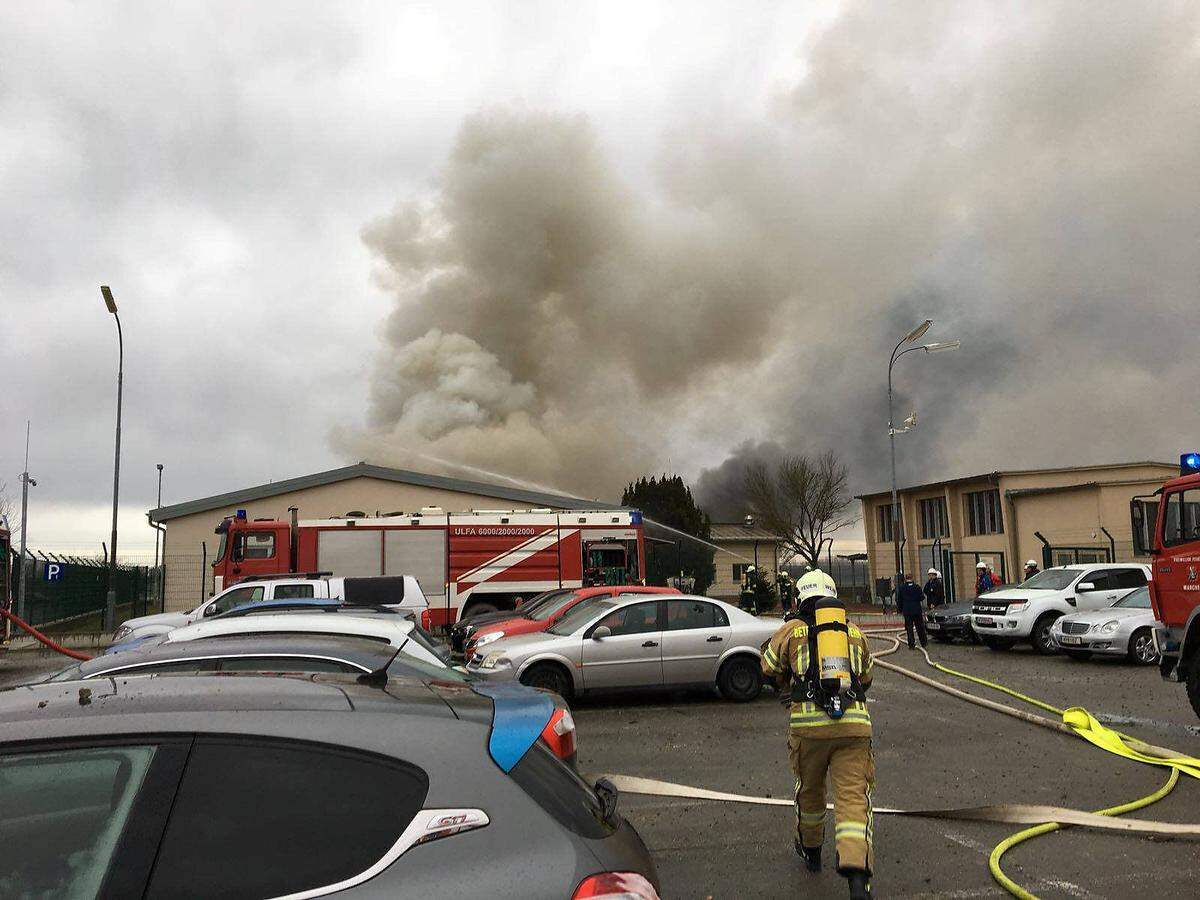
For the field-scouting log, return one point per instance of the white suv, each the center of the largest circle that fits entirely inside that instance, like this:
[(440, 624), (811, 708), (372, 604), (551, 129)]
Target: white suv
[(1027, 612)]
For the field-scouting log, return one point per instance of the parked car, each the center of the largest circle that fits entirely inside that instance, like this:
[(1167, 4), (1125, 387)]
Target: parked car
[(637, 642), (463, 627), (264, 786), (388, 628), (1027, 612), (399, 591), (297, 654), (949, 621), (1124, 629), (549, 613)]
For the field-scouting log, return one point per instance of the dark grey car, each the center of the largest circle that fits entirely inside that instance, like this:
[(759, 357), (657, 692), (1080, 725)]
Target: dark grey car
[(258, 786)]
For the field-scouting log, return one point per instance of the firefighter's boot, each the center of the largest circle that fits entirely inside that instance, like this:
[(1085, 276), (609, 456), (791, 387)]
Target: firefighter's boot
[(860, 884), (811, 856)]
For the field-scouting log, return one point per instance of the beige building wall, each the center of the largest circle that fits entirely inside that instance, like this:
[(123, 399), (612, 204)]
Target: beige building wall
[(1068, 507), (190, 538), (740, 553)]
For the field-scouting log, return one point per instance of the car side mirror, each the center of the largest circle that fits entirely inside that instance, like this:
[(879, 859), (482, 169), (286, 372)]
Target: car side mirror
[(601, 633), (210, 610), (1085, 586)]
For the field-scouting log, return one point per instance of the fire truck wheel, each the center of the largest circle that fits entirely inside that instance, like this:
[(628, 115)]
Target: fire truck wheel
[(1193, 685), (549, 676), (740, 679), (479, 609)]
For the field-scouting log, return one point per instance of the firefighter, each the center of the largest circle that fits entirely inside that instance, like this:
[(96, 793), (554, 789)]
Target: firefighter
[(1031, 569), (748, 592), (786, 589), (830, 733)]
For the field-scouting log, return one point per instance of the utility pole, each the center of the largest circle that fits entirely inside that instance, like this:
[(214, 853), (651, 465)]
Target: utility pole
[(157, 533), (110, 603), (26, 481)]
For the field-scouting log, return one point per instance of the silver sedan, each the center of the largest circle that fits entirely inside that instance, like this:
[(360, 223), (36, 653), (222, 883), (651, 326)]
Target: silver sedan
[(637, 641), (1124, 629)]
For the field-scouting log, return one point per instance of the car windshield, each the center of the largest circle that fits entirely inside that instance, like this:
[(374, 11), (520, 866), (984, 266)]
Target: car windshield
[(581, 615), (548, 609), (1050, 580), (1139, 599), (420, 636), (538, 603)]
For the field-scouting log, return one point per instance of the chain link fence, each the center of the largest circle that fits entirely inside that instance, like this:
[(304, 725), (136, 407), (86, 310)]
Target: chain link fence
[(69, 593)]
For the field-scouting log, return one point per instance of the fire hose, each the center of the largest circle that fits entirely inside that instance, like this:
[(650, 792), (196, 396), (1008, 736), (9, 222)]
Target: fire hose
[(48, 641), (1045, 819)]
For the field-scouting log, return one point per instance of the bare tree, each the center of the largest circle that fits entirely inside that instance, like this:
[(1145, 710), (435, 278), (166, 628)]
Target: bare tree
[(9, 509), (804, 499)]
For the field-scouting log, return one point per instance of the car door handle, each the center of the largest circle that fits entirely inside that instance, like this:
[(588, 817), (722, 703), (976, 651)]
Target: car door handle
[(650, 644), (715, 638)]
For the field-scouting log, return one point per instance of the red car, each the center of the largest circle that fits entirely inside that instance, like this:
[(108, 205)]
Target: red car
[(545, 616)]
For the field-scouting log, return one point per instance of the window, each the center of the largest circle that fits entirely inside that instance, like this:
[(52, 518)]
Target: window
[(739, 572), (983, 512), (293, 591), (1182, 521), (284, 664), (1130, 578), (1100, 580), (166, 668), (1139, 599), (259, 545), (65, 810), (934, 523), (637, 618), (684, 614), (883, 522), (236, 597), (260, 819)]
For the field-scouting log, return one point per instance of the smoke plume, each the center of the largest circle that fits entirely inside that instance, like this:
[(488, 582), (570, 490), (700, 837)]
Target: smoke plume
[(1023, 175)]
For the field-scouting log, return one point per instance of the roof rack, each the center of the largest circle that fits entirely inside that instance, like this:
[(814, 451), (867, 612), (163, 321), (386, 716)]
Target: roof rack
[(278, 575)]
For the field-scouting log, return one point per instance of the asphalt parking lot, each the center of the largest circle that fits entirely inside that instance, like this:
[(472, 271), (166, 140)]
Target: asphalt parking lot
[(930, 750)]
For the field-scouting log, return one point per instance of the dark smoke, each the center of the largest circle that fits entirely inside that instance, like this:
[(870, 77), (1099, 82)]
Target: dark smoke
[(1025, 176)]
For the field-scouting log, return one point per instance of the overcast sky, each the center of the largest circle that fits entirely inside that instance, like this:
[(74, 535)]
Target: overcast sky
[(575, 242)]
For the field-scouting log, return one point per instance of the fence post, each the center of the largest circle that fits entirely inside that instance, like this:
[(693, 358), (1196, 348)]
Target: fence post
[(203, 566)]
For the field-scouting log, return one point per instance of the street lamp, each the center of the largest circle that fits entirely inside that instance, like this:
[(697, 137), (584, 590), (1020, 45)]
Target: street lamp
[(936, 347), (110, 603), (157, 533)]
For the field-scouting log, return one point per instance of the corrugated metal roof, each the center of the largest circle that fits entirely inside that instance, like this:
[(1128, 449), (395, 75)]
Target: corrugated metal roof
[(735, 531), (383, 473)]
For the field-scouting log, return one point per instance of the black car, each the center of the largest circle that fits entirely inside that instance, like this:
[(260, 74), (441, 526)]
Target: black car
[(461, 630), (251, 786), (949, 621)]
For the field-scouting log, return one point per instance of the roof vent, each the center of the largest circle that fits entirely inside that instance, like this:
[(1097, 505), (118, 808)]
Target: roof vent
[(748, 521), (398, 512), (356, 514)]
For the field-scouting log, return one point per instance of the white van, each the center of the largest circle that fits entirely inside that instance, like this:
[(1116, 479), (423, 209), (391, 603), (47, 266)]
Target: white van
[(394, 591), (1027, 612)]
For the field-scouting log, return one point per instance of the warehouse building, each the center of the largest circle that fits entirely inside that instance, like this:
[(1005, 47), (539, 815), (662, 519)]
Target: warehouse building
[(1054, 516), (359, 488)]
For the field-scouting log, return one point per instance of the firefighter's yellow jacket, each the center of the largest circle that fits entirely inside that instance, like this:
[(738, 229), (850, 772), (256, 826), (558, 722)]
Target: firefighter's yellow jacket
[(785, 658)]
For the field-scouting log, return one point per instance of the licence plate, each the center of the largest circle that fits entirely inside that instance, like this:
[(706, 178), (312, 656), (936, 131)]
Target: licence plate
[(1067, 639), (932, 626), (984, 620)]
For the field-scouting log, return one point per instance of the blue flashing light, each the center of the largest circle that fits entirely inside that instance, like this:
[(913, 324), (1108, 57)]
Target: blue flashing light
[(635, 517), (241, 514), (1189, 463)]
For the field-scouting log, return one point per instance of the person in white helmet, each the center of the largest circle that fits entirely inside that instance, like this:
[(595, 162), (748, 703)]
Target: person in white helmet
[(934, 590), (1031, 568), (984, 580), (748, 592)]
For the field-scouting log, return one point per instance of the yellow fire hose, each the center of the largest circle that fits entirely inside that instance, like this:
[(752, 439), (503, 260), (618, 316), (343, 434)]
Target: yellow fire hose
[(1046, 819)]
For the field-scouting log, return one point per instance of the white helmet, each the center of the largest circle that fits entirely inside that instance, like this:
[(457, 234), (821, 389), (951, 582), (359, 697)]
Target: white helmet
[(1030, 563), (981, 565), (932, 572), (816, 584), (750, 568)]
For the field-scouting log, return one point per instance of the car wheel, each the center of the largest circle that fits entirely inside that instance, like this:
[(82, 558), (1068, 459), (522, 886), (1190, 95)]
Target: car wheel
[(548, 676), (997, 643), (479, 609), (740, 679), (1141, 648), (1081, 655), (1041, 638)]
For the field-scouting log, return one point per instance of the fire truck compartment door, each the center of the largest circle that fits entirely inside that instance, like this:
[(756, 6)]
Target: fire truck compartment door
[(420, 552), (350, 552)]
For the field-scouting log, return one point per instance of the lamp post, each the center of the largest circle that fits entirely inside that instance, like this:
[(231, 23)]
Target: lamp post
[(110, 603), (157, 533), (26, 483), (936, 347)]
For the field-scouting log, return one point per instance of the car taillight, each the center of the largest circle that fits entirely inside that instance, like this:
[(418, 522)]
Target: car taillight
[(615, 886), (559, 735)]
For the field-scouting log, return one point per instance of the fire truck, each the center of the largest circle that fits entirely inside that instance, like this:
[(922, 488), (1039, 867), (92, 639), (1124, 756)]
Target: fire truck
[(466, 563), (1166, 526)]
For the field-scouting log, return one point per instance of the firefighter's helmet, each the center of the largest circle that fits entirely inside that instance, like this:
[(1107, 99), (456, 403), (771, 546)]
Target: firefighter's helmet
[(815, 584)]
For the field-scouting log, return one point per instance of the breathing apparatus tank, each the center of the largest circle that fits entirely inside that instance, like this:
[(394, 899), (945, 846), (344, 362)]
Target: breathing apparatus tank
[(833, 654)]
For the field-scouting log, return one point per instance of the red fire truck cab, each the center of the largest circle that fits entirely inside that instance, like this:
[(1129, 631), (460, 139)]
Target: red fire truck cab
[(466, 563), (1166, 525)]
